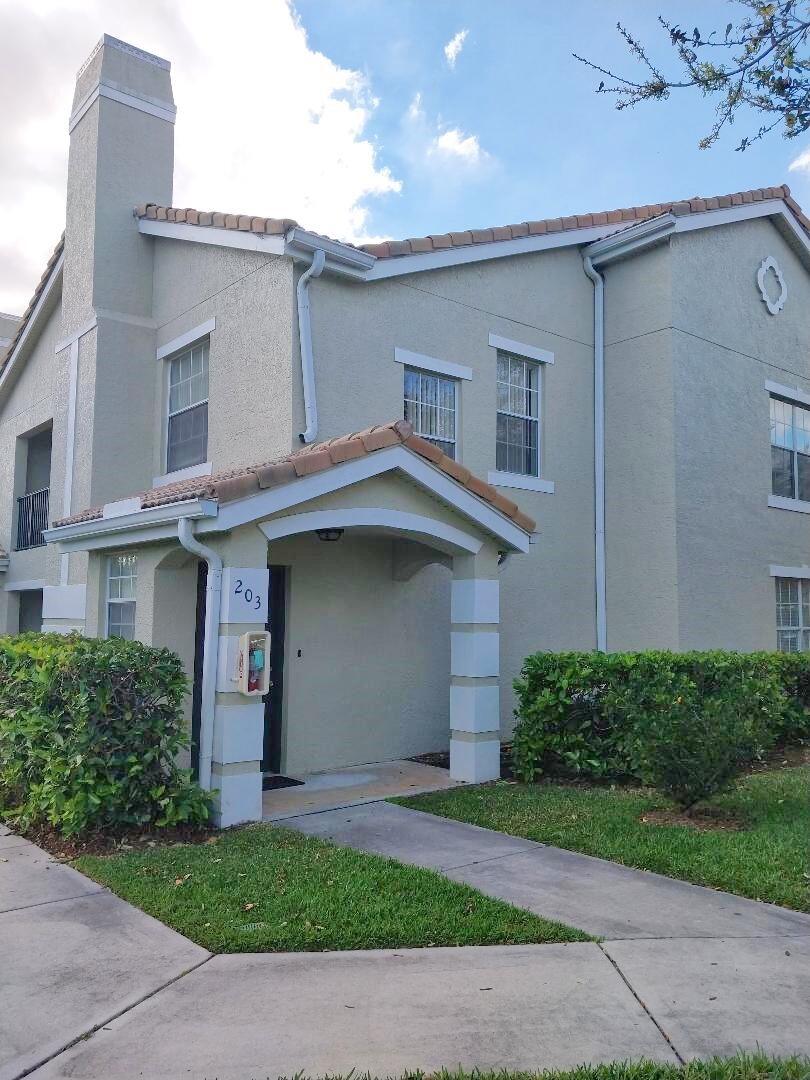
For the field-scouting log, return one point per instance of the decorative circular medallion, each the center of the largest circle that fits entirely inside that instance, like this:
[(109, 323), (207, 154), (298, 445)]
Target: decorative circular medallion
[(770, 281)]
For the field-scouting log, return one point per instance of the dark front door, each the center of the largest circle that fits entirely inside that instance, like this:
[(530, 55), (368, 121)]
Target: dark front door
[(276, 619), (196, 690)]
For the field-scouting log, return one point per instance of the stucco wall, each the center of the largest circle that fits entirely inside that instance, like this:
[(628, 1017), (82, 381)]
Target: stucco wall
[(725, 347), (541, 300)]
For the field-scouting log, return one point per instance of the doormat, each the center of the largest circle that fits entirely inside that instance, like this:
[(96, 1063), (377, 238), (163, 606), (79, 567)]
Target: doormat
[(274, 781)]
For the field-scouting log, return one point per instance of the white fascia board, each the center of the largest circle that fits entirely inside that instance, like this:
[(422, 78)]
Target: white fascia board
[(391, 521), (208, 234), (32, 320), (532, 352), (129, 528), (432, 363), (190, 336), (275, 500), (772, 208), (495, 249), (792, 392), (789, 571)]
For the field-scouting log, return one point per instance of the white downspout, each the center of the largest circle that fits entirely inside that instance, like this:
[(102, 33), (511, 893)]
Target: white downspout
[(599, 446), (315, 269), (208, 691)]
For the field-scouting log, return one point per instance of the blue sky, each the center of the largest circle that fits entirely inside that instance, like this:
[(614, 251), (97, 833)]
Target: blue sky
[(554, 145), (348, 116)]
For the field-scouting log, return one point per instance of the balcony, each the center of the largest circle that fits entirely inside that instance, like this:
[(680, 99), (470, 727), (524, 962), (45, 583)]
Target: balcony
[(32, 519)]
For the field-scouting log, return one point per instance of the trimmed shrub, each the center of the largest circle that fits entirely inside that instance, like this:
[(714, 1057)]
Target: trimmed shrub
[(89, 733), (593, 714)]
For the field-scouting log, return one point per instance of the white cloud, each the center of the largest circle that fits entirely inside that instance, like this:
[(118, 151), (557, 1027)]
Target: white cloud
[(433, 143), (801, 163), (454, 143), (452, 49), (265, 124)]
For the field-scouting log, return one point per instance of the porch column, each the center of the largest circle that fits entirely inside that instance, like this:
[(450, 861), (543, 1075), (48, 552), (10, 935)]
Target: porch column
[(475, 744), (239, 720)]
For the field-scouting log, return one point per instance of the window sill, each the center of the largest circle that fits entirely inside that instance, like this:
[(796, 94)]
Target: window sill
[(518, 480), (205, 468), (779, 502)]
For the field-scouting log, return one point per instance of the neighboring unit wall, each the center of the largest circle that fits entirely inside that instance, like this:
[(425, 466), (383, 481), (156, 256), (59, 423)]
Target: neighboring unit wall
[(642, 578), (544, 301), (725, 347)]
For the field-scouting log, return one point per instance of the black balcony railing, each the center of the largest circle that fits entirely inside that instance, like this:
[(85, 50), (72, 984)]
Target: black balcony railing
[(32, 519)]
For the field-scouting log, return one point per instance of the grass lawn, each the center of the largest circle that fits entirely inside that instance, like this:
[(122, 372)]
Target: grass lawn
[(768, 859), (267, 889), (742, 1067)]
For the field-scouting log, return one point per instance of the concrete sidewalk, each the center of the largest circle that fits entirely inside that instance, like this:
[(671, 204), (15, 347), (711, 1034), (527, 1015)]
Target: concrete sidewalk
[(600, 897), (92, 988)]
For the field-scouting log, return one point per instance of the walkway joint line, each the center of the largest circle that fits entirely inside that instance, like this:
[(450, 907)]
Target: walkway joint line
[(115, 1016), (664, 1036)]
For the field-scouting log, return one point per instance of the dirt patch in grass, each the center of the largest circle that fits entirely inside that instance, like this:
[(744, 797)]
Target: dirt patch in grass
[(703, 819), (117, 842)]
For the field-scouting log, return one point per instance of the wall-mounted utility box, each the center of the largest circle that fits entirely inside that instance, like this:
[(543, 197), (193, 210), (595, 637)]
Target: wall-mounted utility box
[(253, 663)]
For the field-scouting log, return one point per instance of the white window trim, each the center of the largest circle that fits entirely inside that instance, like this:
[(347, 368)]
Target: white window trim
[(107, 601), (456, 402), (781, 502), (189, 338), (518, 480), (789, 571), (167, 413), (431, 364), (529, 352), (792, 393), (205, 468)]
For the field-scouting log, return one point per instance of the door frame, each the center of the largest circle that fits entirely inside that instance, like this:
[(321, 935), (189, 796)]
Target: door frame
[(274, 700)]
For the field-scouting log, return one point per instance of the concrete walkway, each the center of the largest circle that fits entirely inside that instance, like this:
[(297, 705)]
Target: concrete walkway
[(92, 988)]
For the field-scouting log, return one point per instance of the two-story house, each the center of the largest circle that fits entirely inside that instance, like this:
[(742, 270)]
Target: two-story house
[(415, 462)]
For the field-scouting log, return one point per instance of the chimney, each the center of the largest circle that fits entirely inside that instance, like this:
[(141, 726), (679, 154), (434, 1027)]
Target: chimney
[(121, 154)]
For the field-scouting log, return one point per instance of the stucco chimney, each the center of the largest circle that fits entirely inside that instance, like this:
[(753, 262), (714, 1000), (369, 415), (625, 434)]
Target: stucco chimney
[(121, 154)]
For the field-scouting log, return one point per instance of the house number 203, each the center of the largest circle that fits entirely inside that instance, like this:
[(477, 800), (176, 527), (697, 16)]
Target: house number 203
[(252, 598), (244, 594)]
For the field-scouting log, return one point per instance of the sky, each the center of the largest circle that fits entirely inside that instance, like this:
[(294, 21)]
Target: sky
[(368, 119)]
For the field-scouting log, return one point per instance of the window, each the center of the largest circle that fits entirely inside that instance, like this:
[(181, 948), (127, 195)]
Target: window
[(430, 405), (517, 447), (792, 614), (790, 450), (122, 581), (187, 437)]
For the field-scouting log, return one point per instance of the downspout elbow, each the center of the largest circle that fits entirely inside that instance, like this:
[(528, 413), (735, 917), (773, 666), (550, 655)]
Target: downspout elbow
[(314, 270), (208, 690), (599, 448)]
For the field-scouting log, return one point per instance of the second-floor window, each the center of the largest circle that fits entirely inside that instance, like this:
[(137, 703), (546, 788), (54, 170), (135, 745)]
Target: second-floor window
[(187, 434), (430, 406), (793, 614), (790, 450), (517, 448)]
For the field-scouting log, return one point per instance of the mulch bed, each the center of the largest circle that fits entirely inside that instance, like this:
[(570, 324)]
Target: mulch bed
[(704, 819), (117, 843)]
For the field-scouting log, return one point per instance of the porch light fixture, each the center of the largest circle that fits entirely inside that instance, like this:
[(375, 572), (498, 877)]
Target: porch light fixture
[(329, 535)]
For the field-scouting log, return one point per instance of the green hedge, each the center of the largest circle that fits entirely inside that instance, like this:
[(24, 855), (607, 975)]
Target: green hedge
[(89, 732), (590, 714)]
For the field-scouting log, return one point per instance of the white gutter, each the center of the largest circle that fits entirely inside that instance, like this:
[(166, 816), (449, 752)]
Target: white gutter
[(599, 446), (208, 691), (314, 270)]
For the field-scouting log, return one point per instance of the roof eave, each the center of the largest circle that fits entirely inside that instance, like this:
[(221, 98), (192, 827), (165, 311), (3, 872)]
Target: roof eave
[(136, 527), (8, 369)]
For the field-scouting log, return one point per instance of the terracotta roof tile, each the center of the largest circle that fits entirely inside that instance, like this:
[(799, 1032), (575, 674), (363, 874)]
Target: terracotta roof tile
[(237, 483), (57, 251)]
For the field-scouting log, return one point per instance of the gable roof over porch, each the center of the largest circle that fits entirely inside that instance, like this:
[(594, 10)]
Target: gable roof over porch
[(252, 492)]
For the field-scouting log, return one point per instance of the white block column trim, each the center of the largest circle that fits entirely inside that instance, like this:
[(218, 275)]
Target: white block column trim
[(474, 690)]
